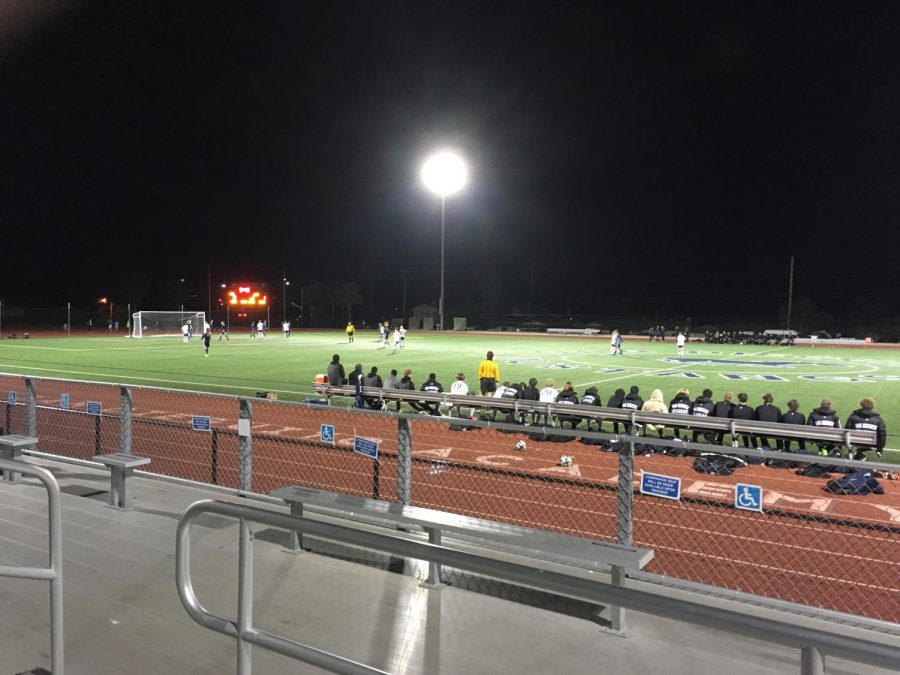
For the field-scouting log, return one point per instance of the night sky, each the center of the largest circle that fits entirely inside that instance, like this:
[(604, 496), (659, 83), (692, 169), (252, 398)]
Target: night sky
[(626, 157)]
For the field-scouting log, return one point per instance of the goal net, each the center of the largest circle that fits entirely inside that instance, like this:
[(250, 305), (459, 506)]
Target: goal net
[(162, 324)]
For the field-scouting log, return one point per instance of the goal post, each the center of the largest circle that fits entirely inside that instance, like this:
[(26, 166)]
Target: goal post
[(165, 324)]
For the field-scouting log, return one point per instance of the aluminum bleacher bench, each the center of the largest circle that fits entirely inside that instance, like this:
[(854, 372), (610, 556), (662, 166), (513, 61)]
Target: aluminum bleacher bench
[(121, 467), (540, 545)]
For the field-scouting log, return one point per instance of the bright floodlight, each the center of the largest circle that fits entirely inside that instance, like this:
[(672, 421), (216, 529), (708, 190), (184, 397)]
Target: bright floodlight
[(444, 173)]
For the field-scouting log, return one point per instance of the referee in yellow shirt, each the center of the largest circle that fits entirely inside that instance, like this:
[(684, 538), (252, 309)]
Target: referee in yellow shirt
[(488, 375)]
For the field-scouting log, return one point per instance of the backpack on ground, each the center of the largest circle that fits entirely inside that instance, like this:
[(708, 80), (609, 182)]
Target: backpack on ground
[(858, 483)]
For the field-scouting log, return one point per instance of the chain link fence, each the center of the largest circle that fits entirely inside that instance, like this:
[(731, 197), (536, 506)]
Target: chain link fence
[(801, 543)]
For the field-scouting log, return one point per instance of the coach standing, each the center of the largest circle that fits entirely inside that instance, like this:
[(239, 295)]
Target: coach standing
[(488, 375)]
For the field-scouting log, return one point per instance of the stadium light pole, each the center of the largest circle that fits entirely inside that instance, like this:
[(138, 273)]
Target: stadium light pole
[(445, 174)]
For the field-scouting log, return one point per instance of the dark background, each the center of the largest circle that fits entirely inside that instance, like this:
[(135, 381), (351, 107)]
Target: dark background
[(625, 158)]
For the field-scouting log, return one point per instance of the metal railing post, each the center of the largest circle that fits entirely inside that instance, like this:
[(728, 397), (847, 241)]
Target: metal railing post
[(125, 434), (30, 408), (812, 662), (214, 457), (245, 598), (245, 445), (53, 573), (404, 462), (624, 525)]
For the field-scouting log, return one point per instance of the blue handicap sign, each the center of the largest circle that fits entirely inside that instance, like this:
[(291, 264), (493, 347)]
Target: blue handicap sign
[(64, 401), (658, 485), (748, 497), (366, 447), (94, 408), (326, 433), (200, 423), (11, 397)]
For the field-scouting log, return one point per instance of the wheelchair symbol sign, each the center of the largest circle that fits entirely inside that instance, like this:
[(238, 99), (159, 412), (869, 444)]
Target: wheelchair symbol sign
[(748, 497), (326, 433)]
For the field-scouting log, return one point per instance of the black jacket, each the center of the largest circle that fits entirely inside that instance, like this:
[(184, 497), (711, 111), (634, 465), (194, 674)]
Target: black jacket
[(824, 417), (591, 397), (680, 405), (567, 396), (615, 401), (869, 420), (742, 411), (406, 383), (632, 402), (702, 407), (791, 417), (531, 394), (767, 413), (373, 380), (433, 386), (722, 409)]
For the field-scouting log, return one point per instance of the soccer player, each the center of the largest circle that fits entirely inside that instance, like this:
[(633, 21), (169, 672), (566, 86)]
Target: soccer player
[(286, 327), (185, 333), (402, 336), (656, 405), (382, 333), (679, 342), (223, 332), (680, 405), (546, 395), (767, 413), (632, 401), (615, 343), (703, 406), (824, 417), (351, 329), (793, 417), (261, 330), (432, 386), (395, 339), (866, 419), (206, 338), (742, 411)]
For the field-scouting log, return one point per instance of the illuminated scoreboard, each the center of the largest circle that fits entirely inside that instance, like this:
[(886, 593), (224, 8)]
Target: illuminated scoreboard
[(247, 295)]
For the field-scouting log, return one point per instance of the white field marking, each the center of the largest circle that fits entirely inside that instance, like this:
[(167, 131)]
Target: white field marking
[(792, 571), (123, 378), (437, 452), (573, 470)]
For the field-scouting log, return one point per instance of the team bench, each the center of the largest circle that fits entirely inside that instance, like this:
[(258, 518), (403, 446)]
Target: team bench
[(539, 545)]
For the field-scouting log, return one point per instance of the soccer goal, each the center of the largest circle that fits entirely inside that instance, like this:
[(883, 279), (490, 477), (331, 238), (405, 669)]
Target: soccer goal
[(162, 324)]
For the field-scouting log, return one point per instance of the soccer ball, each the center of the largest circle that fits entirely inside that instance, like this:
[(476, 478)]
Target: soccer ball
[(565, 460), (520, 446)]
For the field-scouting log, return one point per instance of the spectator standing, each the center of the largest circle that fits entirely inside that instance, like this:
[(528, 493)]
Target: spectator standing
[(655, 405), (767, 413), (866, 419), (488, 375), (792, 416)]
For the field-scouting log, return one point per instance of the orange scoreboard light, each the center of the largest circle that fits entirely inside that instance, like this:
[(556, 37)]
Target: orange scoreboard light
[(247, 295)]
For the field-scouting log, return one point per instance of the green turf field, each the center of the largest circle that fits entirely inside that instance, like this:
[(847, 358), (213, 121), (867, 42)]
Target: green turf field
[(245, 366)]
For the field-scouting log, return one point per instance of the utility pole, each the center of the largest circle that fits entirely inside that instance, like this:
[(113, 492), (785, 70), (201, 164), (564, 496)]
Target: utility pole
[(403, 316), (790, 293)]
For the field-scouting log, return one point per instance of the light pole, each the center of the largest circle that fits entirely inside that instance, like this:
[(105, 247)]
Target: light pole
[(444, 173), (284, 284)]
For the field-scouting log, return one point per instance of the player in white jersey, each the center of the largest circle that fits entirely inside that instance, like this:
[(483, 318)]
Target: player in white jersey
[(679, 342)]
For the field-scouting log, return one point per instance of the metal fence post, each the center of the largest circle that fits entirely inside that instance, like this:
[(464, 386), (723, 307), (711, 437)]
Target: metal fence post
[(404, 462), (125, 420), (812, 662), (214, 457), (624, 525), (30, 408), (245, 445)]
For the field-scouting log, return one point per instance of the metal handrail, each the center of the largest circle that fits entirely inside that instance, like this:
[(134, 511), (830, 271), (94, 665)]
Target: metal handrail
[(848, 437), (813, 642), (53, 573)]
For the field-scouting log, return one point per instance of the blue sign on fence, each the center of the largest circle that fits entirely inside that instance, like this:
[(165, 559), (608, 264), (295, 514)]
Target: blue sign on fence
[(200, 423), (748, 497), (11, 397), (660, 486), (366, 447), (64, 401), (326, 433), (94, 408)]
